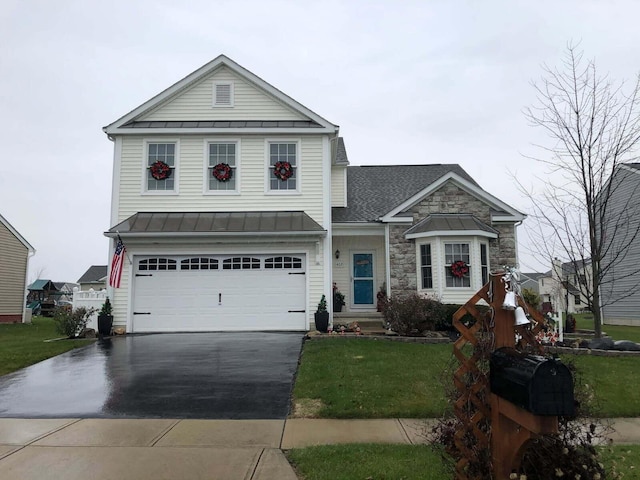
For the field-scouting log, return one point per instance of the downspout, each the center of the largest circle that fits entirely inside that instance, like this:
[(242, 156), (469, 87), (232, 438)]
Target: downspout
[(30, 253)]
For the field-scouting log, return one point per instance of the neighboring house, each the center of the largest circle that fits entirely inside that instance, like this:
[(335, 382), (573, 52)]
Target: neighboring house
[(620, 285), (238, 209), (94, 278), (65, 290), (530, 281), (14, 263), (560, 288)]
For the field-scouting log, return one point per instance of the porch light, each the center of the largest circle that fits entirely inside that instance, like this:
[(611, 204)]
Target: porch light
[(337, 254)]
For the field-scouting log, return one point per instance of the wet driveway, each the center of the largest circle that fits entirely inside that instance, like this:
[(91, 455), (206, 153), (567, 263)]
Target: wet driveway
[(184, 375)]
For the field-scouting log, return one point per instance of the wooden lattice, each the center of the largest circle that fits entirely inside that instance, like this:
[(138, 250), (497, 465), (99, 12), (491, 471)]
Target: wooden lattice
[(473, 348)]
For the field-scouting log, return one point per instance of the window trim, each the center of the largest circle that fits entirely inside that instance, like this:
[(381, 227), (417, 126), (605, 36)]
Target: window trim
[(237, 173), (423, 266), (267, 166), (176, 167), (214, 95)]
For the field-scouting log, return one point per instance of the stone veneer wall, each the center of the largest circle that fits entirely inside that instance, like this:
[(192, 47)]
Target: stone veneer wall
[(448, 199)]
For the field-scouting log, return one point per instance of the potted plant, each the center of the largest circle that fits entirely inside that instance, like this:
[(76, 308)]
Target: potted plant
[(322, 316), (105, 318), (338, 299)]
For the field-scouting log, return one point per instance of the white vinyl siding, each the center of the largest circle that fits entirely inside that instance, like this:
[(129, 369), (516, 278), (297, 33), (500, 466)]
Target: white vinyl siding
[(338, 186), (192, 181), (13, 268), (249, 103)]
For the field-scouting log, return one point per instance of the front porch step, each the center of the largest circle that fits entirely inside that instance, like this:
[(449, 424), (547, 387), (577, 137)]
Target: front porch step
[(364, 319)]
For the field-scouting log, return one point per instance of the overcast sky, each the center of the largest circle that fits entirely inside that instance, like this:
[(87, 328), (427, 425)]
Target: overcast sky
[(408, 83)]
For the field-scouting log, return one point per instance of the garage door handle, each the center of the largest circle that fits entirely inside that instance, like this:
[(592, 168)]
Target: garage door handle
[(297, 311), (296, 273), (144, 274), (142, 313)]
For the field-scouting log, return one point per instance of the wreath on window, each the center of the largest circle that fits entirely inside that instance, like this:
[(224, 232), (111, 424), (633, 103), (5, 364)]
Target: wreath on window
[(459, 269), (283, 170), (222, 172), (160, 170)]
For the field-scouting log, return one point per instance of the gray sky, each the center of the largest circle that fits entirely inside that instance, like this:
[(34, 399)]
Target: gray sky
[(408, 82)]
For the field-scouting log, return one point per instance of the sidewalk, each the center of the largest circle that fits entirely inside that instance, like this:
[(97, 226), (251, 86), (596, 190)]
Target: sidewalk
[(158, 449)]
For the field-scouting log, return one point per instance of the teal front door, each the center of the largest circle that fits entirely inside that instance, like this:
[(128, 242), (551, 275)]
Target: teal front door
[(363, 279)]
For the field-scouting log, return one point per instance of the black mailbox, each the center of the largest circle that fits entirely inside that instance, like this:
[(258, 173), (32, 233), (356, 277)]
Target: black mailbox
[(540, 385)]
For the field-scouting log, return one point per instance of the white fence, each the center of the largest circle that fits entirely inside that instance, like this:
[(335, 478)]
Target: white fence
[(90, 299)]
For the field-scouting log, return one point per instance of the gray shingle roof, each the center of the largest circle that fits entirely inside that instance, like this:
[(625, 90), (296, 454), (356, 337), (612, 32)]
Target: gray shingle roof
[(93, 274), (341, 153), (224, 124), (450, 222), (373, 191), (219, 223)]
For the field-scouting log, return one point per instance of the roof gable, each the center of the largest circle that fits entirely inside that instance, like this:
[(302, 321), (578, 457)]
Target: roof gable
[(504, 211), (195, 92), (15, 233)]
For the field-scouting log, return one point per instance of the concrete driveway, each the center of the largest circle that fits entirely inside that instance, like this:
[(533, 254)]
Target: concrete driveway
[(246, 375)]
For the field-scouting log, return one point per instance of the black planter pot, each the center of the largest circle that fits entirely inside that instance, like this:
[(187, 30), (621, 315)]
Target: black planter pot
[(105, 322), (337, 306), (322, 321)]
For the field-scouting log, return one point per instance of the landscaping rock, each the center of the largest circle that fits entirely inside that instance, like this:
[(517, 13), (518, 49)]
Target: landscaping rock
[(87, 333), (626, 345), (605, 343)]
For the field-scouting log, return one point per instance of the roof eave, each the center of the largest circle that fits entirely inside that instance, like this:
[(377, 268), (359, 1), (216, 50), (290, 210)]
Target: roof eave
[(174, 131), (301, 233), (452, 233)]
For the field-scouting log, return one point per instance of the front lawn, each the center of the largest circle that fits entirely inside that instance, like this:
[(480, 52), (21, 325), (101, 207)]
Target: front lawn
[(409, 462), (23, 344), (361, 378), (617, 332)]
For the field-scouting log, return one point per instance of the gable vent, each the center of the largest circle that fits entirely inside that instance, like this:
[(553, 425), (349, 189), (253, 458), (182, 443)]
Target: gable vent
[(223, 94)]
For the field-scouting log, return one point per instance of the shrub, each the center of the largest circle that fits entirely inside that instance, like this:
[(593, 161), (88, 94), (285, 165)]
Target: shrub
[(531, 297), (445, 322), (71, 324), (413, 314)]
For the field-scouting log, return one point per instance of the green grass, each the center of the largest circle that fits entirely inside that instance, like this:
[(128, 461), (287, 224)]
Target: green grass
[(409, 462), (614, 381), (584, 321), (367, 461), (22, 344), (357, 378)]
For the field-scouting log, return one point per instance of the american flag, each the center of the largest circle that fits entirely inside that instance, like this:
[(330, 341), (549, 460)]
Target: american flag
[(116, 264)]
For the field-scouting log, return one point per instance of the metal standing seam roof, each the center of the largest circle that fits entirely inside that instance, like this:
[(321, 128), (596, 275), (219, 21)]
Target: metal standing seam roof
[(450, 222), (373, 191), (223, 124), (272, 222)]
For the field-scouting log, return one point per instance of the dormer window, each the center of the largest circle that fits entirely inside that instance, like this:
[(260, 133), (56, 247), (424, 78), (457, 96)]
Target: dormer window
[(223, 94)]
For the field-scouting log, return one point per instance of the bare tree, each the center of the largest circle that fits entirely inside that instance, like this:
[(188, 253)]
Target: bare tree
[(594, 125)]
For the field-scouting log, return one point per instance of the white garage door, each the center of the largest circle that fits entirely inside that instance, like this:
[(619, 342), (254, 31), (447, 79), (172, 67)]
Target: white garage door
[(219, 293)]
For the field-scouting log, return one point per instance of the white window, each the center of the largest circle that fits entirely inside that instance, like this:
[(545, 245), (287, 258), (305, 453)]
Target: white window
[(222, 167), (283, 165), (223, 94), (160, 166), (484, 263), (457, 252), (426, 266)]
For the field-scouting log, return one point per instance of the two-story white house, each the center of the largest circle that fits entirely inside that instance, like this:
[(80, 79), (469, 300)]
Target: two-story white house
[(239, 209)]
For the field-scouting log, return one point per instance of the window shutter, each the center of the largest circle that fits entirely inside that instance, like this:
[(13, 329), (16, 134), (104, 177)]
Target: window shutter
[(223, 94)]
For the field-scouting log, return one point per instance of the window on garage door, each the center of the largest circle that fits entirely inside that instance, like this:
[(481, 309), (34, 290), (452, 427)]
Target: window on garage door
[(283, 262), (199, 263), (241, 263), (154, 264)]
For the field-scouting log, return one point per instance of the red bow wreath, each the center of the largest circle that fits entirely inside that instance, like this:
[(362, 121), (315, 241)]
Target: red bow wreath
[(283, 170), (459, 269), (160, 170), (222, 172)]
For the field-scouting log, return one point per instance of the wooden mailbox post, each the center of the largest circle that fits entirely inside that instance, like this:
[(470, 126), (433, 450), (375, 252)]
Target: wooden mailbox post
[(487, 420)]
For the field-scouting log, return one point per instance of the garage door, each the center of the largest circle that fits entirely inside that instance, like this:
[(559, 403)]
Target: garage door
[(219, 293)]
